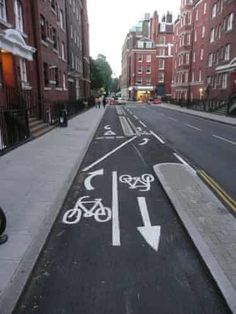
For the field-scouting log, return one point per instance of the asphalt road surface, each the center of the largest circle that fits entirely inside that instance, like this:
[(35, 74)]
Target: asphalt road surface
[(205, 144), (117, 245)]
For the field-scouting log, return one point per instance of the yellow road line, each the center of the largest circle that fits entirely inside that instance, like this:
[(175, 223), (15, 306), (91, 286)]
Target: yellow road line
[(219, 191)]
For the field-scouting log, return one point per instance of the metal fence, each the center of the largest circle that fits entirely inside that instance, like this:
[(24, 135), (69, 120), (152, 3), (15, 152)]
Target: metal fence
[(208, 105), (14, 127)]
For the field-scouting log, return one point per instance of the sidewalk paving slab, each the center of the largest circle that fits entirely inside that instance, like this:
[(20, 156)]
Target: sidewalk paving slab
[(209, 224), (34, 180)]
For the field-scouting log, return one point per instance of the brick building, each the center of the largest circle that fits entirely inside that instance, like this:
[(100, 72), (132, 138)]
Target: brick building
[(77, 49), (204, 66), (43, 49), (147, 59)]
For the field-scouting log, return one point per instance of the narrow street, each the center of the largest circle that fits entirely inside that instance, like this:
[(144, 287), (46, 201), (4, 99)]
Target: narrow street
[(117, 245)]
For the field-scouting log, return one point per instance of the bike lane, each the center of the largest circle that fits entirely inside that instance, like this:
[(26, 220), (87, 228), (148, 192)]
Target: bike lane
[(132, 255)]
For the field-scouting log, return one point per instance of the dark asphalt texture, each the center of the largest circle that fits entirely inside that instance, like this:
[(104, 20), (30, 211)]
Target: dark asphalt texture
[(79, 271), (199, 148)]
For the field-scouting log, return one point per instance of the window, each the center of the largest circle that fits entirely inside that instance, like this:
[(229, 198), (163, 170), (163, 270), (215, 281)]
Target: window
[(162, 51), (212, 35), (230, 22), (148, 44), (53, 5), (210, 59), (139, 81), (162, 40), (54, 38), (161, 64), (148, 70), (187, 58), (43, 27), (200, 76), (140, 58), (203, 31), (148, 58), (140, 44), (63, 51), (205, 8), (148, 81), (161, 77), (45, 73), (140, 70), (64, 81), (23, 72), (61, 17), (194, 56), (227, 52), (193, 76), (195, 36), (57, 77), (201, 53), (213, 12), (224, 81), (3, 13), (188, 39), (196, 14), (19, 15)]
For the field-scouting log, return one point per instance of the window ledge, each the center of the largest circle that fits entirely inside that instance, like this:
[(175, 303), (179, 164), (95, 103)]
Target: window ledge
[(44, 43), (5, 23), (52, 82), (47, 88)]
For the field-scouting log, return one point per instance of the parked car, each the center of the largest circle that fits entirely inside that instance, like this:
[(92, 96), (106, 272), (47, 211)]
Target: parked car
[(156, 101)]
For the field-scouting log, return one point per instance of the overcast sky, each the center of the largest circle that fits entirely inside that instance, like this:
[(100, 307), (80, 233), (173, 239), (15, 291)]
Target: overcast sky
[(110, 21)]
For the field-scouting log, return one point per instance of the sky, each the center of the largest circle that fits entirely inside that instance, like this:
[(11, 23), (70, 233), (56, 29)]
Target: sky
[(111, 20)]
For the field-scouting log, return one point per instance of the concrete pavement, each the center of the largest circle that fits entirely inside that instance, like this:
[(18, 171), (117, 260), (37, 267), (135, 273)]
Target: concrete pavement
[(211, 227), (34, 181)]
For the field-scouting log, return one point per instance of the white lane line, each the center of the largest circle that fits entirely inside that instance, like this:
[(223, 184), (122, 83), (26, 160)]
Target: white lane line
[(157, 137), (115, 211), (170, 118), (191, 126), (108, 154), (108, 137), (184, 162), (136, 117), (143, 124), (224, 139)]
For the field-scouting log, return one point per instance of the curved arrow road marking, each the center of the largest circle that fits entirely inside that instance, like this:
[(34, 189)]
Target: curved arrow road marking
[(150, 233), (87, 181), (145, 141), (107, 127)]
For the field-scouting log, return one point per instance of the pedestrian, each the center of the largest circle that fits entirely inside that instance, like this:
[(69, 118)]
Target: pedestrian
[(104, 101), (98, 102)]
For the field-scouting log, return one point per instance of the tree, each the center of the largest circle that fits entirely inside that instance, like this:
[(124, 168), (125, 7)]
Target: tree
[(115, 85), (100, 73)]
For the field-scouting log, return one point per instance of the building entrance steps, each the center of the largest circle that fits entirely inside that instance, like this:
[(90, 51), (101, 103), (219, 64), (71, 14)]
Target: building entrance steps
[(34, 181), (209, 224)]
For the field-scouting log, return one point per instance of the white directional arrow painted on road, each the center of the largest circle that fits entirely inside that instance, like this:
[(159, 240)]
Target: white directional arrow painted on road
[(150, 233), (87, 181), (145, 141), (107, 127), (110, 133)]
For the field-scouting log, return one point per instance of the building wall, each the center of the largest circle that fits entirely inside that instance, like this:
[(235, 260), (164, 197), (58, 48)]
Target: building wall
[(210, 73), (147, 71)]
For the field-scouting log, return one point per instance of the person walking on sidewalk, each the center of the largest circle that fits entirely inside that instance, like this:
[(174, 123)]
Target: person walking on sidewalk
[(98, 102), (104, 101)]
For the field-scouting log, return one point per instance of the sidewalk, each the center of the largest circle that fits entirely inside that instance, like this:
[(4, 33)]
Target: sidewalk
[(34, 180), (202, 114)]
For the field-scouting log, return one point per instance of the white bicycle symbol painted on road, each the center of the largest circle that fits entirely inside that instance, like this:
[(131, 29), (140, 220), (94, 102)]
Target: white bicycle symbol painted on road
[(142, 182), (89, 208)]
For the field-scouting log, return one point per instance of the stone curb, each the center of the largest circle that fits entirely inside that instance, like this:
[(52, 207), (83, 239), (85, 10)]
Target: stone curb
[(11, 295), (216, 271)]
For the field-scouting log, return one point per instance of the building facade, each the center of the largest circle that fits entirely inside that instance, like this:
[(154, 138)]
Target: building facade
[(44, 62), (204, 65), (147, 59)]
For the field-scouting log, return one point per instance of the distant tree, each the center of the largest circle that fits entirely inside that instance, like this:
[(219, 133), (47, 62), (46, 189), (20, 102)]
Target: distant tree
[(100, 73), (115, 85)]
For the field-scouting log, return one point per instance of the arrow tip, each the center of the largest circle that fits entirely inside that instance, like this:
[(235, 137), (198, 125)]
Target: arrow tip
[(152, 235)]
